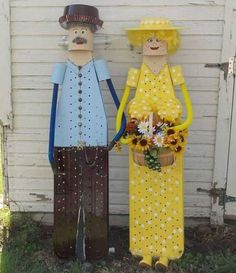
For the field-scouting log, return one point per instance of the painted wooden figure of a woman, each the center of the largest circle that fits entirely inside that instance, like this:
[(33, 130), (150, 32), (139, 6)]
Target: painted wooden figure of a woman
[(78, 144), (156, 136)]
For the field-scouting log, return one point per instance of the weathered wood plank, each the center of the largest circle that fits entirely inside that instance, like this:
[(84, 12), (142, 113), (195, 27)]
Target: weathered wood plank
[(41, 160), (115, 174), (41, 135), (27, 147), (184, 56), (112, 42), (43, 109), (5, 65), (113, 209), (200, 99), (116, 186), (62, 3), (116, 198), (42, 122), (43, 82), (195, 12), (111, 28)]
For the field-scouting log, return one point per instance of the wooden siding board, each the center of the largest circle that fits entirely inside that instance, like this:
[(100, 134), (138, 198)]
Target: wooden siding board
[(35, 36)]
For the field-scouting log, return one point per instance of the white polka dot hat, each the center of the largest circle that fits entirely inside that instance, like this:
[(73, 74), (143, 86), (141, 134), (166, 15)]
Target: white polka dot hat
[(155, 24)]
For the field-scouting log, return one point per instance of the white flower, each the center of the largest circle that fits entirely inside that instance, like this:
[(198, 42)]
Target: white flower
[(158, 139), (143, 127)]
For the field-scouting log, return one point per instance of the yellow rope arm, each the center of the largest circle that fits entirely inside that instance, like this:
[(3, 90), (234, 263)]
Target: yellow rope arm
[(121, 111), (188, 104)]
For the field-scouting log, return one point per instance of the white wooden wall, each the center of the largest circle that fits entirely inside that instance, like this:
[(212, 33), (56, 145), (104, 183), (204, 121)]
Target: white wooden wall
[(35, 33)]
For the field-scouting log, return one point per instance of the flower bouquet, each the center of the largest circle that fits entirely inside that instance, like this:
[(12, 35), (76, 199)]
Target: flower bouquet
[(153, 142)]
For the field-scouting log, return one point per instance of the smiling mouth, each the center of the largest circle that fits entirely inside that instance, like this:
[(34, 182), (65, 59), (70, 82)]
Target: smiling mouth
[(154, 48)]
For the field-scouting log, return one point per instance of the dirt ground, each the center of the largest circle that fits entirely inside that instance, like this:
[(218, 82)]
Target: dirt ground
[(200, 241)]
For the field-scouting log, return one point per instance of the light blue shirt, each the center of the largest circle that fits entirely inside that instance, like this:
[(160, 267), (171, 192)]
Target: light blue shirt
[(80, 115)]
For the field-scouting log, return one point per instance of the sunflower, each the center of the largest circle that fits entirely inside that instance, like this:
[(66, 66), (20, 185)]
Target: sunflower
[(175, 140), (134, 142), (143, 144)]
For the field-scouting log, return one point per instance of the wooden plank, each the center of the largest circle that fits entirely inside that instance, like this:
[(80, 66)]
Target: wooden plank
[(34, 184), (200, 99), (184, 56), (207, 136), (43, 82), (118, 160), (5, 65), (43, 109), (112, 42), (27, 147), (224, 112), (116, 198), (34, 14), (112, 28), (62, 3), (116, 69), (230, 208), (115, 174), (113, 209), (41, 135), (42, 122), (44, 69), (116, 187)]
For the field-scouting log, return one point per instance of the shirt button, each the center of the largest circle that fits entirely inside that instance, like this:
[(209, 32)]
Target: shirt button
[(80, 75), (80, 133), (80, 83), (80, 99), (80, 116), (80, 91), (80, 107), (80, 124)]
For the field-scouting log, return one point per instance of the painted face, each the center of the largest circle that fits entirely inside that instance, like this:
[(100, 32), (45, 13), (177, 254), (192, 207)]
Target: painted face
[(80, 38), (155, 47)]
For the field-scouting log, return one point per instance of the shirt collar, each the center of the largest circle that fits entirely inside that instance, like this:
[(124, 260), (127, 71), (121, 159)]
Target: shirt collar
[(83, 69)]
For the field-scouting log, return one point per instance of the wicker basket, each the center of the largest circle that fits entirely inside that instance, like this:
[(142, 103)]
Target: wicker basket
[(166, 158)]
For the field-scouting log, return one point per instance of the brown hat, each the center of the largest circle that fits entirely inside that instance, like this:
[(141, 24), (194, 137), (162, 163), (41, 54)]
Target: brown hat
[(80, 13)]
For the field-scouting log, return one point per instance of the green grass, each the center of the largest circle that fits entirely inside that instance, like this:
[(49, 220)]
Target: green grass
[(27, 248), (202, 263)]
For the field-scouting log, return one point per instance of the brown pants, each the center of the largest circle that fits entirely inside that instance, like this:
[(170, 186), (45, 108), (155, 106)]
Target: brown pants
[(81, 202)]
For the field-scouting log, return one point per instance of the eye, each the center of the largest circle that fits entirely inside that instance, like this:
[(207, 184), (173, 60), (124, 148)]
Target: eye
[(157, 40), (76, 31), (83, 31), (150, 40)]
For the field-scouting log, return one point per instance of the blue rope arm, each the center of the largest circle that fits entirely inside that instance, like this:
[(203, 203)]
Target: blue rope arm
[(123, 123), (52, 124)]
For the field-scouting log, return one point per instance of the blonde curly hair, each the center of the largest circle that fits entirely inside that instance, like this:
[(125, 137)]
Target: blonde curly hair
[(172, 37)]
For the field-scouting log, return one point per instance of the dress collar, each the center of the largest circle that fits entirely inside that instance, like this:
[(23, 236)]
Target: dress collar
[(146, 69)]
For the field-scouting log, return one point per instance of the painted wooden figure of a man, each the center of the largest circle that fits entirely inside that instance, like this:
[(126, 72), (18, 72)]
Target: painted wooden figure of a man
[(78, 144)]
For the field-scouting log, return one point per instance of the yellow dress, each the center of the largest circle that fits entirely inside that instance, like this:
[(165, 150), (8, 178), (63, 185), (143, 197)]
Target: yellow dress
[(156, 198)]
